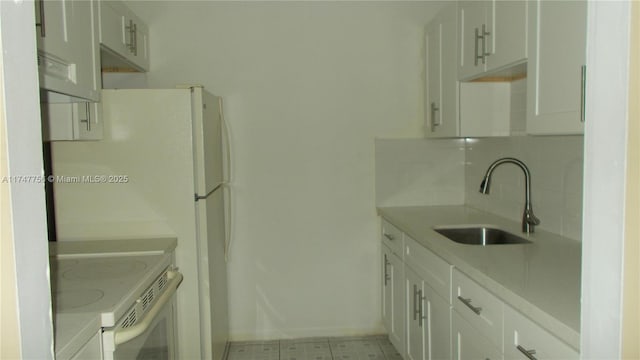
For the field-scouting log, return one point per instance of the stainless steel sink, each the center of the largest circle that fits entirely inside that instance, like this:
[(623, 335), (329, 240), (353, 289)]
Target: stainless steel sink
[(480, 235)]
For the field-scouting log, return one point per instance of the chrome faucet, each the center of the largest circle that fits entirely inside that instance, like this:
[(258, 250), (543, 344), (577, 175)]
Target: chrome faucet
[(529, 220)]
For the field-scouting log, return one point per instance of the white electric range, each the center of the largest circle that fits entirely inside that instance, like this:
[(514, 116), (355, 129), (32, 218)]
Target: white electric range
[(114, 299)]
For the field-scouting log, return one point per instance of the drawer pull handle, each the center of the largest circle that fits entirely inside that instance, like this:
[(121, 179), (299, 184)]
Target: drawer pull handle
[(415, 301), (527, 353), (386, 272), (421, 316), (467, 302), (389, 236)]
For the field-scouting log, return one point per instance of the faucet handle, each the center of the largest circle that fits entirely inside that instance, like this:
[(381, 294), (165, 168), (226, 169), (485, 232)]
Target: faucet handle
[(529, 221), (531, 218)]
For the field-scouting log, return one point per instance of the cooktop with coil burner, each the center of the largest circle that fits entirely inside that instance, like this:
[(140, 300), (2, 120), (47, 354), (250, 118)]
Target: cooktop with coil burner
[(108, 285)]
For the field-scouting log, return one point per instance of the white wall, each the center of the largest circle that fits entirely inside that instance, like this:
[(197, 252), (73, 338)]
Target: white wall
[(307, 88)]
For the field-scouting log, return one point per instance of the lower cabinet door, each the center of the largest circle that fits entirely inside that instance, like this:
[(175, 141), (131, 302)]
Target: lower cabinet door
[(469, 343), (439, 325), (416, 327), (393, 298), (428, 320)]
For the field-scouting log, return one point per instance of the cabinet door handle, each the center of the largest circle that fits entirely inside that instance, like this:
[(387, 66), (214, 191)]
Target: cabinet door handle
[(129, 29), (583, 92), (475, 52), (415, 302), (40, 24), (467, 302), (528, 353), (485, 33), (434, 123), (135, 40), (389, 236), (386, 273), (87, 107), (421, 316)]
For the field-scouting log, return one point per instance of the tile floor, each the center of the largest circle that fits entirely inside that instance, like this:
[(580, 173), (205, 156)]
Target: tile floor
[(337, 348)]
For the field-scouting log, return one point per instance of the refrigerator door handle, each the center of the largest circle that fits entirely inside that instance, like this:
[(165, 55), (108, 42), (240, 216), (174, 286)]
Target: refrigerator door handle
[(202, 197)]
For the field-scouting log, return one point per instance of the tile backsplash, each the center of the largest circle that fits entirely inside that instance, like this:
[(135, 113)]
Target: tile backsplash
[(555, 163), (415, 172), (419, 172)]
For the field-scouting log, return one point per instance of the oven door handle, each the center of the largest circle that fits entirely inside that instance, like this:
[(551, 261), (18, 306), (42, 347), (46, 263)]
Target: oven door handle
[(123, 335)]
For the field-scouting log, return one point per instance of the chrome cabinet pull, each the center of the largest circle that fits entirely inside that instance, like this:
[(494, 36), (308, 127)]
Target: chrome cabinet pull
[(481, 56), (87, 107), (467, 302), (386, 273), (130, 30), (476, 57), (434, 123), (40, 24), (421, 316), (583, 92), (485, 33), (389, 236), (415, 302), (528, 353), (135, 40)]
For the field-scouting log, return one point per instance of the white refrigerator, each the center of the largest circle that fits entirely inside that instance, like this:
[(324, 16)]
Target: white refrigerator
[(159, 171)]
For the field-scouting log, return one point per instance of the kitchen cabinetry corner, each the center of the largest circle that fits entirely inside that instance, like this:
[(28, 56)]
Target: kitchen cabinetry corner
[(68, 58)]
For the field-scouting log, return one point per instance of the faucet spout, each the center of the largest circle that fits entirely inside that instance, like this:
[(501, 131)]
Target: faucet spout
[(529, 220)]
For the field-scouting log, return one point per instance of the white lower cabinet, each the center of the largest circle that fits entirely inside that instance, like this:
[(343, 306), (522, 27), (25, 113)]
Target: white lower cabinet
[(428, 320), (470, 343), (434, 311), (393, 297), (523, 339), (478, 307)]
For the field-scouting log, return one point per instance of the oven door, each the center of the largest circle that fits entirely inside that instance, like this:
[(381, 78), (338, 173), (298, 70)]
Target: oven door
[(150, 337)]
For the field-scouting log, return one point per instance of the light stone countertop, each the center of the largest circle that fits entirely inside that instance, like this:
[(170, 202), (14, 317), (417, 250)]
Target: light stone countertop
[(541, 279)]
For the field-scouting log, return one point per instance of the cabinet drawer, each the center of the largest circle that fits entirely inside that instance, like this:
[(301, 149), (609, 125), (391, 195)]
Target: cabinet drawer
[(523, 335), (479, 307), (392, 237), (433, 269), (471, 344)]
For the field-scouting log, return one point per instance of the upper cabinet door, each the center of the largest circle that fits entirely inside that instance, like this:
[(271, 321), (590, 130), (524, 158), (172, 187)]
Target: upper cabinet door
[(472, 48), (492, 37), (441, 105), (555, 85), (67, 48), (507, 43), (124, 37)]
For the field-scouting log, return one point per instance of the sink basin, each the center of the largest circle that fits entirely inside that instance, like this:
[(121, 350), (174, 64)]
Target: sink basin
[(480, 235)]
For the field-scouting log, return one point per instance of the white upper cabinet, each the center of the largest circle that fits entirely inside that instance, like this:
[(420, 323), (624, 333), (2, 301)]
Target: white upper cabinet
[(557, 45), (492, 37), (124, 38), (68, 59), (441, 103)]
